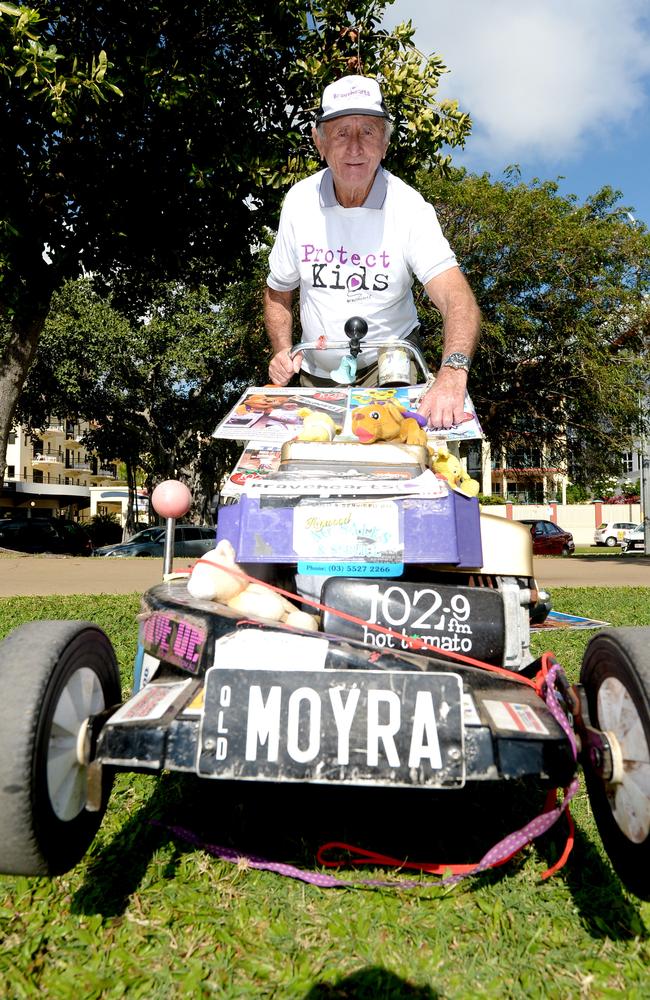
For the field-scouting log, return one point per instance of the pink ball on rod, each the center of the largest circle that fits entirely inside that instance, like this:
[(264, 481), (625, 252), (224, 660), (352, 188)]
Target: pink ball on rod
[(171, 498)]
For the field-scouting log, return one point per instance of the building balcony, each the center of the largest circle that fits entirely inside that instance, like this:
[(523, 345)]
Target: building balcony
[(79, 466), (103, 474), (53, 428), (513, 473), (46, 460)]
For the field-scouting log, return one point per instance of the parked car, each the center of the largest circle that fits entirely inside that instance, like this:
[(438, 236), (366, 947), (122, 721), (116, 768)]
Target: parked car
[(634, 538), (39, 534), (189, 540), (549, 539), (611, 533)]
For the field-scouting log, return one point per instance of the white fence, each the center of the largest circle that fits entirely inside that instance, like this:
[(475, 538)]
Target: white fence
[(581, 519)]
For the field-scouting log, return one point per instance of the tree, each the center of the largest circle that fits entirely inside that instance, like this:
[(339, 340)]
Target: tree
[(153, 390), (563, 288), (150, 142)]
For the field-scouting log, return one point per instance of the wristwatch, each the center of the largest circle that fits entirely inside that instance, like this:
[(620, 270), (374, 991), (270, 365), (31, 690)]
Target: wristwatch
[(457, 360)]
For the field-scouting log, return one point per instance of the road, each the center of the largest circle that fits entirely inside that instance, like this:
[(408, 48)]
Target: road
[(22, 575), (632, 570)]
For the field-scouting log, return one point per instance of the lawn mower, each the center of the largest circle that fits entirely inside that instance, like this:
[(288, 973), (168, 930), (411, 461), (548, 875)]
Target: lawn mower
[(416, 674)]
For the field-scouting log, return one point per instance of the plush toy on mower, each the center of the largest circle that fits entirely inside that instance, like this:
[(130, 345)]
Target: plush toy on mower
[(384, 642)]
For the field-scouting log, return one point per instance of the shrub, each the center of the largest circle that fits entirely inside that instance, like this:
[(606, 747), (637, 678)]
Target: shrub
[(105, 529), (487, 501), (576, 493)]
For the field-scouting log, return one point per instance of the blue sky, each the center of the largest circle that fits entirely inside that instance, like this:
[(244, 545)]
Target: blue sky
[(561, 87)]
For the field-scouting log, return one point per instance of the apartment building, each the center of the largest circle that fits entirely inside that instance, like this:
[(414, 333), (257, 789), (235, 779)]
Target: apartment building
[(51, 472), (518, 475)]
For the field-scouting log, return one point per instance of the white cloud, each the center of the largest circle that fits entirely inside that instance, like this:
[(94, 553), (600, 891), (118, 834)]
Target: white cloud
[(540, 78)]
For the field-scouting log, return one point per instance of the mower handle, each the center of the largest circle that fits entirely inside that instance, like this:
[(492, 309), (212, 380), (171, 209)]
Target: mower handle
[(344, 345)]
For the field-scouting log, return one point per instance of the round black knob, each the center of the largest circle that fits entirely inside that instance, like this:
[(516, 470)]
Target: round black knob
[(356, 327)]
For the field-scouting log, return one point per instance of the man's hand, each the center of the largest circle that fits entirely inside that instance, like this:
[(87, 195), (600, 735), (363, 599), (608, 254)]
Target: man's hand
[(444, 403), (283, 367)]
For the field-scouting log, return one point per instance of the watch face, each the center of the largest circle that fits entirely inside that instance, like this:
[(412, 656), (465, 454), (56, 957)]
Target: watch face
[(457, 360)]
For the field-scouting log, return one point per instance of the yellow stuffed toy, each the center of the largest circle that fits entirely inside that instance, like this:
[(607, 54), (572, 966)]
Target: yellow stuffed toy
[(316, 426), (387, 420), (217, 577), (448, 467)]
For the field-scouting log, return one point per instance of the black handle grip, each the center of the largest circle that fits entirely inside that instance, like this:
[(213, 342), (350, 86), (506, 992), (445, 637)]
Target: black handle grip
[(355, 328)]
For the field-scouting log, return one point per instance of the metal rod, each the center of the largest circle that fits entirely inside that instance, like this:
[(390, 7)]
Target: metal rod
[(168, 551)]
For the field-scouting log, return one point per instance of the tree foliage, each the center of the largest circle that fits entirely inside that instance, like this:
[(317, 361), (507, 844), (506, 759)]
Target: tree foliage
[(44, 72), (153, 390), (150, 142), (563, 288)]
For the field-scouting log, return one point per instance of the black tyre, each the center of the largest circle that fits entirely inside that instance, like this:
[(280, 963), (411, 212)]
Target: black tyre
[(540, 612), (53, 676), (610, 541), (616, 677), (566, 551)]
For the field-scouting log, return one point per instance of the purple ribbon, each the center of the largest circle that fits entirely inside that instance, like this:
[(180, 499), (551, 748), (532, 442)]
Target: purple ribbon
[(499, 853)]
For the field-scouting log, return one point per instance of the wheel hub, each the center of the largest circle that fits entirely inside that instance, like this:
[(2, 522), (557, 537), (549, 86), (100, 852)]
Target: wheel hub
[(67, 762), (629, 790)]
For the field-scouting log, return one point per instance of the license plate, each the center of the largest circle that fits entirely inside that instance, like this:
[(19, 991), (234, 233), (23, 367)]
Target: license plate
[(333, 727)]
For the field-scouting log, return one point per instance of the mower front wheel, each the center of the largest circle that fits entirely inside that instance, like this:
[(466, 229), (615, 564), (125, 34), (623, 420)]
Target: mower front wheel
[(616, 678), (54, 676)]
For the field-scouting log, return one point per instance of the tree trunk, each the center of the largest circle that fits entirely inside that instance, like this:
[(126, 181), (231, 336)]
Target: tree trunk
[(192, 474), (16, 359), (129, 522)]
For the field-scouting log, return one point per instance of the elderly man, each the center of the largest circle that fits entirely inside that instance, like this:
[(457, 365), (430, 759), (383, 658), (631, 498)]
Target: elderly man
[(351, 238)]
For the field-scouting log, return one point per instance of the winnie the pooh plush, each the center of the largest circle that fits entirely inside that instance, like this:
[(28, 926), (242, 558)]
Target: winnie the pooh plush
[(316, 426), (386, 420), (448, 467), (217, 577)]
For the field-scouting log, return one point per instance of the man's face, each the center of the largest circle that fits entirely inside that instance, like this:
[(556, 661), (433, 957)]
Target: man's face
[(353, 147)]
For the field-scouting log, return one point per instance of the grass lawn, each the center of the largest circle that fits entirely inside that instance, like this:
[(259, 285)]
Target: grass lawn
[(147, 915)]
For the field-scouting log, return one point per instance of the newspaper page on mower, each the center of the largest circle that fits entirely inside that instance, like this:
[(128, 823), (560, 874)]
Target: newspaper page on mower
[(274, 414)]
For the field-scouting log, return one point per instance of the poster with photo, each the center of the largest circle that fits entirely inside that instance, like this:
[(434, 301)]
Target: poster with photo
[(558, 619), (409, 397), (469, 429), (272, 414), (360, 396), (258, 459)]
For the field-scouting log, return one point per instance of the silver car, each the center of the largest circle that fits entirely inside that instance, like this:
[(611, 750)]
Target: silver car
[(634, 539), (189, 540)]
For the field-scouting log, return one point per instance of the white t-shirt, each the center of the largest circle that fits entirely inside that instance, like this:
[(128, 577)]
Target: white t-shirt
[(355, 261)]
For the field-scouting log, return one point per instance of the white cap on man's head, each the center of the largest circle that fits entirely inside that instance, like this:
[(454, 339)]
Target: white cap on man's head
[(352, 95)]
